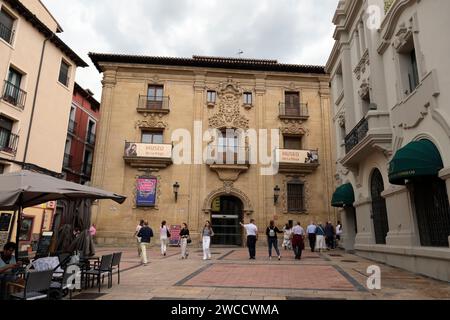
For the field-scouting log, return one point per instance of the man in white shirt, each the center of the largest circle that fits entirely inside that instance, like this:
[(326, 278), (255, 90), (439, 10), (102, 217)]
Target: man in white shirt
[(138, 240), (311, 231), (252, 236), (298, 243)]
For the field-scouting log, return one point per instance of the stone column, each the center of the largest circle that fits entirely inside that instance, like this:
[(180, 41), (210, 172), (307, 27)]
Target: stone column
[(366, 235), (259, 181), (347, 76)]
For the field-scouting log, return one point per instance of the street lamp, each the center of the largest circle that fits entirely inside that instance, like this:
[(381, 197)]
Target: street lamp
[(276, 194), (176, 187)]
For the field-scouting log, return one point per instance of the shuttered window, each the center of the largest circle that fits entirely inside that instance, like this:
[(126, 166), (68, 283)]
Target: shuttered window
[(64, 73)]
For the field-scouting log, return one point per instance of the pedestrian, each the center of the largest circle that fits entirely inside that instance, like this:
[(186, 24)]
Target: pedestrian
[(7, 264), (311, 231), (207, 233), (145, 233), (287, 244), (338, 233), (272, 239), (93, 231), (252, 237), (138, 240), (185, 238), (298, 240), (329, 234), (164, 236), (320, 238)]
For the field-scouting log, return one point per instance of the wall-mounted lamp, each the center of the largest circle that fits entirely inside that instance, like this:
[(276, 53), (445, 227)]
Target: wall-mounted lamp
[(276, 194), (176, 187)]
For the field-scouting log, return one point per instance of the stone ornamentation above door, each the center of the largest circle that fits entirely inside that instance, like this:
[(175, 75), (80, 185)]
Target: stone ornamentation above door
[(152, 121), (229, 100)]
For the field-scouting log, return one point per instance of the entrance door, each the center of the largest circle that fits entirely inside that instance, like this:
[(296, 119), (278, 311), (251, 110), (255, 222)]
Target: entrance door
[(225, 222)]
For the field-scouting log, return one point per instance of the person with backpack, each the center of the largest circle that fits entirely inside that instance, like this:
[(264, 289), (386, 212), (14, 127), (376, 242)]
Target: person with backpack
[(272, 239), (145, 233)]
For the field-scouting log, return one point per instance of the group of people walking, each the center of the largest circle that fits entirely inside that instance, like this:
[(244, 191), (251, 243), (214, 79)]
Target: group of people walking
[(320, 238)]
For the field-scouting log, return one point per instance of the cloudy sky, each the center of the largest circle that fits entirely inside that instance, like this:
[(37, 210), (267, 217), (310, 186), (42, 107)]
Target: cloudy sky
[(291, 31)]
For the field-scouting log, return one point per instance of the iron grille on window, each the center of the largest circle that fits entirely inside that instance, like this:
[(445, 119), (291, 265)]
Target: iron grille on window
[(356, 135), (295, 197), (379, 211), (8, 141), (14, 95)]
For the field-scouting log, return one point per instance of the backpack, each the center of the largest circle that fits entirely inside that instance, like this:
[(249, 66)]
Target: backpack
[(271, 233)]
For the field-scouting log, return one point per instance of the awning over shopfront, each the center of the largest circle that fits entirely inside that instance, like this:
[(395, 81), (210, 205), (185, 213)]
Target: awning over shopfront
[(344, 196), (416, 159)]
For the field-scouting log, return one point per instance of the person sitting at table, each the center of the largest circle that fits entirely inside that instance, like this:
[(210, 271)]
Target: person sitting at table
[(7, 265)]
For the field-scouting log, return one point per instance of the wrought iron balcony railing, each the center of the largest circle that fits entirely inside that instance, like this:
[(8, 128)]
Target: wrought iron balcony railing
[(294, 110), (356, 135), (151, 103), (6, 33), (8, 141), (90, 138), (67, 163), (228, 155), (72, 127), (14, 95)]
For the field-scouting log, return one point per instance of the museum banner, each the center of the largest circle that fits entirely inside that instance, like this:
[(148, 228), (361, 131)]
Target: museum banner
[(146, 150), (146, 191), (297, 156)]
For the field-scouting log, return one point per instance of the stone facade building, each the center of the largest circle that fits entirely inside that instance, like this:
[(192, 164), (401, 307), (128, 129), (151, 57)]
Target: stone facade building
[(389, 75), (149, 102)]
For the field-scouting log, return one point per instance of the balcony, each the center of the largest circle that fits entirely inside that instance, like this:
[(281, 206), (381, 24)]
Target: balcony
[(72, 127), (297, 161), (228, 161), (150, 104), (90, 138), (6, 33), (372, 133), (8, 141), (67, 162), (145, 155), (296, 111), (87, 169), (14, 95)]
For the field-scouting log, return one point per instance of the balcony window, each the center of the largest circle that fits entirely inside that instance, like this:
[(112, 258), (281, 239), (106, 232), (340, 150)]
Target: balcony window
[(211, 96), (12, 93), (6, 26), (90, 135), (152, 137), (87, 163), (292, 142), (248, 98), (409, 66), (8, 140), (295, 197), (64, 73)]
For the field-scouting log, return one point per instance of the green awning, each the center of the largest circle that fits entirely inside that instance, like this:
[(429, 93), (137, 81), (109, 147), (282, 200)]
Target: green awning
[(344, 196), (417, 159)]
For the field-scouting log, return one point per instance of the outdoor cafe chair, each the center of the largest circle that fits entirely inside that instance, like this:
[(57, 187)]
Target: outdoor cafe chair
[(117, 256), (60, 286), (37, 285), (99, 271)]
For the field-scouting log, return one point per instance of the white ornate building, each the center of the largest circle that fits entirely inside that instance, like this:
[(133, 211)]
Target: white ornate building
[(390, 77)]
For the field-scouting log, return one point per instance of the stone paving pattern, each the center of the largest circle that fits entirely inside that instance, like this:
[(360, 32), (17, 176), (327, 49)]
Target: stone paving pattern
[(230, 275)]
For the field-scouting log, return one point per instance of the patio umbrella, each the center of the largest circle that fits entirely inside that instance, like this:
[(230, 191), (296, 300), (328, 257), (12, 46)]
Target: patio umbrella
[(24, 189)]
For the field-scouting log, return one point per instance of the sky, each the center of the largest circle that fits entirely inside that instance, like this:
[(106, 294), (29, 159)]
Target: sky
[(290, 31)]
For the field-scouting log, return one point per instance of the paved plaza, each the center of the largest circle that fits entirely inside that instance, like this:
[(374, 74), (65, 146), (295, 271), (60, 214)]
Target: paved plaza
[(230, 275)]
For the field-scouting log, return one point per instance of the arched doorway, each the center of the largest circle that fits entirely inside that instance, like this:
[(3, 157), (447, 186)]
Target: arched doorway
[(226, 213), (379, 211)]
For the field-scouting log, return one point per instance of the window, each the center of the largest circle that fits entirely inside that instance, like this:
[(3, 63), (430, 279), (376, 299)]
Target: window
[(90, 138), (409, 70), (292, 104), (87, 163), (6, 126), (6, 26), (413, 74), (12, 92), (155, 97), (2, 168), (152, 137), (67, 156), (295, 197), (248, 98), (292, 142), (211, 96), (64, 73)]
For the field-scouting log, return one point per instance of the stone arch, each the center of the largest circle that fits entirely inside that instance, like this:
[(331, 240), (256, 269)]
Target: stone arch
[(226, 191)]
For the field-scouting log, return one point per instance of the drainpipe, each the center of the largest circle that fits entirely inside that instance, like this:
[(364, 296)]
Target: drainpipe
[(34, 99)]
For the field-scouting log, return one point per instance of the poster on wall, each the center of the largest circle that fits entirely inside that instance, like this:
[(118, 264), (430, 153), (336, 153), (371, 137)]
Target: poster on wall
[(5, 225), (146, 191), (174, 235)]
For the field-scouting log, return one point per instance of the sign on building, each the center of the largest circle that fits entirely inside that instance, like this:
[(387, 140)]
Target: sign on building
[(146, 191), (145, 150)]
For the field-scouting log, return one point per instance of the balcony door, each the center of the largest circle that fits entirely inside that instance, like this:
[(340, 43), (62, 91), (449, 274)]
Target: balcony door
[(155, 96), (12, 89), (229, 148), (292, 101), (152, 137), (292, 142), (6, 126)]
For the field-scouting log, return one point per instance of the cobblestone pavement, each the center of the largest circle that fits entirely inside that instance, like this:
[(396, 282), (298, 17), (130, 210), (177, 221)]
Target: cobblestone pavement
[(231, 275)]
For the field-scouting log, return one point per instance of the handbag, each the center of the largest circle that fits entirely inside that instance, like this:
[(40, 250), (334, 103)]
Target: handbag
[(189, 239), (168, 233)]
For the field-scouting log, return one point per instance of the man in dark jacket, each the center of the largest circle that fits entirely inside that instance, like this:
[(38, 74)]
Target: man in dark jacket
[(329, 234), (272, 239), (146, 233)]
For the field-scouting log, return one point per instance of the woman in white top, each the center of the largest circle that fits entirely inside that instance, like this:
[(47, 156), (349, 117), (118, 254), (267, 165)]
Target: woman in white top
[(338, 232), (163, 237), (287, 245), (207, 233)]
